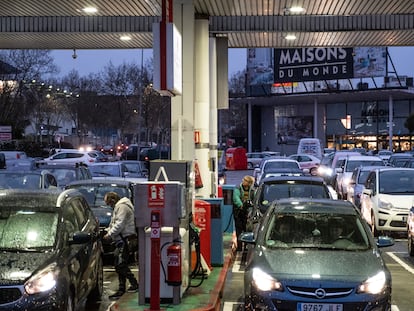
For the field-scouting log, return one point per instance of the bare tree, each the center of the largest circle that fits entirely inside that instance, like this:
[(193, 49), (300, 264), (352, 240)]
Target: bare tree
[(19, 100)]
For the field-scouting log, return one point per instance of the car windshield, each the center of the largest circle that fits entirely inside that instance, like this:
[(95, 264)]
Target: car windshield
[(19, 180), (280, 164), (400, 181), (105, 170), (94, 194), (26, 229), (316, 230), (273, 192), (351, 165), (63, 175)]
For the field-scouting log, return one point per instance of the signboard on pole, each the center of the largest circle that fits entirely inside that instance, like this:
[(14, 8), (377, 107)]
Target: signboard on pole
[(5, 132)]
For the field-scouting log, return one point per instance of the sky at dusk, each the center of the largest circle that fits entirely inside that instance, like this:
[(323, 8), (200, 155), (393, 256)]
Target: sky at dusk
[(94, 61)]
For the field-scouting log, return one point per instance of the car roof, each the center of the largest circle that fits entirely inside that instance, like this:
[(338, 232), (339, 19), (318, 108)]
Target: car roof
[(363, 158), (104, 181), (296, 179), (309, 205), (46, 199)]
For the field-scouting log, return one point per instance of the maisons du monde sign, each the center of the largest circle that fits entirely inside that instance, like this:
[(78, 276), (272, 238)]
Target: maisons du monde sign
[(313, 64)]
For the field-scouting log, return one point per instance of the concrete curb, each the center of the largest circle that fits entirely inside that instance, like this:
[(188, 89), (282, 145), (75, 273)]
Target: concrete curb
[(217, 292)]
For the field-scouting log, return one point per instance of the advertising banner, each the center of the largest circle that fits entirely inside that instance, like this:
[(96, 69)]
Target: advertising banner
[(313, 64)]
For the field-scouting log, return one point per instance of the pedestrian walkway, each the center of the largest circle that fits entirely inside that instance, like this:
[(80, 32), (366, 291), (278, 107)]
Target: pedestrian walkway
[(205, 297)]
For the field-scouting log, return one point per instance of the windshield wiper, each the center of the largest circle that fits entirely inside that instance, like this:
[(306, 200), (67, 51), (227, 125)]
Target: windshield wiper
[(18, 250)]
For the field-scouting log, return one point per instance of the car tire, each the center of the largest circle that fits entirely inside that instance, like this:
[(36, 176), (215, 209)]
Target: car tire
[(97, 291), (410, 246)]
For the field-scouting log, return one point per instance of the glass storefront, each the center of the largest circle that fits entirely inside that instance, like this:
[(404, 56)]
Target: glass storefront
[(366, 125)]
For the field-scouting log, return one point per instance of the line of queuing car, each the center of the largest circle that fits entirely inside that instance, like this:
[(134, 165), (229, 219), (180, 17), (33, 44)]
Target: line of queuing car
[(311, 273)]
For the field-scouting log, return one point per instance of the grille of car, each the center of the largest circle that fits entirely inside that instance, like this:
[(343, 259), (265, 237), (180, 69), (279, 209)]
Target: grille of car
[(9, 294), (320, 293)]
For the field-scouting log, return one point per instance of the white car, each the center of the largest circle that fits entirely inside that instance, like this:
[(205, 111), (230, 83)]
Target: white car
[(344, 173), (385, 155), (254, 158), (307, 162), (71, 157), (387, 198), (276, 167)]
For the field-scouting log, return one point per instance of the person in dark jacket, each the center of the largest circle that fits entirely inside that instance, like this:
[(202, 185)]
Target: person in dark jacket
[(242, 198)]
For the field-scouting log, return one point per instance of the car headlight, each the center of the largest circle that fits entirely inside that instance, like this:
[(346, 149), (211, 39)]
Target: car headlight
[(385, 205), (373, 285), (42, 281), (264, 282)]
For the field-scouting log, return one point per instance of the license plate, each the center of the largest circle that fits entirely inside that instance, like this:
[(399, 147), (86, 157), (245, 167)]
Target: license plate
[(302, 306)]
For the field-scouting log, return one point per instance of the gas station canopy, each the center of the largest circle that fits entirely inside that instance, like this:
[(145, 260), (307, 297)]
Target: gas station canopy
[(63, 24)]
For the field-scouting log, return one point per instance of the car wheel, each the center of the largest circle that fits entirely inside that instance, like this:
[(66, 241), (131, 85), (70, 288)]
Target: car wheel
[(97, 291), (410, 245)]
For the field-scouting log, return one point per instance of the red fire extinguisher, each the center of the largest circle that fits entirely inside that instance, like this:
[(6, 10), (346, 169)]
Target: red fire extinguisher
[(174, 265)]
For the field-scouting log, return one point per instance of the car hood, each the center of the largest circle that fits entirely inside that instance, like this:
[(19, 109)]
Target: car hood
[(335, 265), (404, 201), (19, 266)]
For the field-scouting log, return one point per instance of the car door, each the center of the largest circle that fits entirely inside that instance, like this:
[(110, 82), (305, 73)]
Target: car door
[(83, 258), (369, 197)]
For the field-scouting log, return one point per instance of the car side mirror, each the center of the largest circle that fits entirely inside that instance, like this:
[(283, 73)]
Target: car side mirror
[(385, 241), (367, 192), (80, 238)]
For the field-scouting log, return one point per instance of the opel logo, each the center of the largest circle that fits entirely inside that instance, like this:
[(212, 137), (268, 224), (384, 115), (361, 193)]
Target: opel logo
[(320, 293)]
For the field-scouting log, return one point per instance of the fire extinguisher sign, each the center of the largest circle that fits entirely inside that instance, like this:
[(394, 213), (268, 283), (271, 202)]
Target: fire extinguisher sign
[(156, 196)]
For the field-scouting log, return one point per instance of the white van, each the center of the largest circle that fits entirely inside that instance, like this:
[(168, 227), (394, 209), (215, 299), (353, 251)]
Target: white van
[(310, 146)]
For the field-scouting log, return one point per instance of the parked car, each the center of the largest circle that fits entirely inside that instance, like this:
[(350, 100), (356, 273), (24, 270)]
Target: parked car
[(94, 191), (119, 169), (387, 198), (134, 152), (108, 150), (275, 188), (272, 164), (26, 180), (344, 172), (312, 269), (71, 157), (51, 251), (356, 184), (66, 173), (307, 162), (254, 158)]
